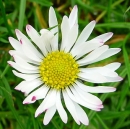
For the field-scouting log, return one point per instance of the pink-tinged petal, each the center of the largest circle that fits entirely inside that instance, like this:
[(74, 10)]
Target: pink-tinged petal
[(15, 44), (49, 114), (76, 98), (87, 96), (48, 102), (33, 98), (86, 33), (96, 89), (33, 34), (81, 114), (73, 17), (40, 93)]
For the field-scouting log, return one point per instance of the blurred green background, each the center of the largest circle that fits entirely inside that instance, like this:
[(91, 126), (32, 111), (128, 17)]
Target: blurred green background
[(111, 16)]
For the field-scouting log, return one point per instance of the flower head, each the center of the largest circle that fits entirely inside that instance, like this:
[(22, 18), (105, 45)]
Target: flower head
[(56, 71)]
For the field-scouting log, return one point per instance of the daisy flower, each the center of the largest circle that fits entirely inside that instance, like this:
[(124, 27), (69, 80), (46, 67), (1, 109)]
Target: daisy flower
[(56, 71)]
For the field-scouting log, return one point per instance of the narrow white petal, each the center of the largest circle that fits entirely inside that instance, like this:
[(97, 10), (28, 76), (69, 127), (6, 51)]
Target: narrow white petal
[(29, 86), (65, 28), (20, 69), (93, 77), (70, 106), (53, 20), (114, 79), (87, 96), (33, 34), (54, 43), (85, 48), (86, 32), (76, 98), (104, 37), (81, 114), (35, 55), (23, 64), (72, 36), (29, 46), (49, 114), (23, 56), (45, 38), (106, 54), (73, 16), (48, 102), (60, 108), (113, 66), (40, 93), (15, 44), (101, 70), (27, 77), (93, 55), (96, 89)]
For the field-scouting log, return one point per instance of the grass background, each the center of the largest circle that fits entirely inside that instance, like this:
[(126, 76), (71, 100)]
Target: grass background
[(111, 16)]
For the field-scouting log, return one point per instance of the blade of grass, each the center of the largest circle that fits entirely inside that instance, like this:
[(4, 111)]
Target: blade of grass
[(5, 18), (102, 122), (126, 58), (21, 14), (9, 100)]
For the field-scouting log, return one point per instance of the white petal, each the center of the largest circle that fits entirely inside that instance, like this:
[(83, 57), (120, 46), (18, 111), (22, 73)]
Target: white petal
[(33, 52), (72, 36), (53, 20), (85, 48), (24, 40), (23, 56), (106, 54), (97, 89), (81, 114), (65, 28), (104, 37), (45, 39), (15, 44), (86, 32), (54, 42), (76, 98), (23, 64), (93, 55), (113, 66), (93, 77), (48, 102), (70, 106), (28, 86), (40, 93), (60, 108), (49, 114), (87, 96), (114, 79), (20, 69), (27, 77), (101, 70), (73, 16)]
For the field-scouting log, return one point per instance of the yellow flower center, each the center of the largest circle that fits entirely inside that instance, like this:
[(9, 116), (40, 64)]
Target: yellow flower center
[(59, 70)]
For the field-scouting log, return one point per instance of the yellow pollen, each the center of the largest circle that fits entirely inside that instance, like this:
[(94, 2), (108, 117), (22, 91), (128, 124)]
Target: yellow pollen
[(59, 70)]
